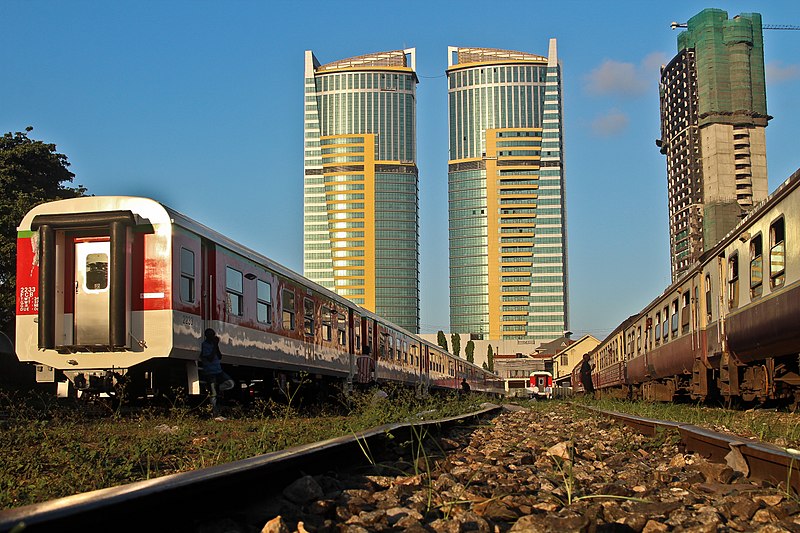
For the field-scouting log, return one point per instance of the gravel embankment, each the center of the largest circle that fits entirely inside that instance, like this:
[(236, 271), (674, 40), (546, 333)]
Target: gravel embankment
[(514, 473)]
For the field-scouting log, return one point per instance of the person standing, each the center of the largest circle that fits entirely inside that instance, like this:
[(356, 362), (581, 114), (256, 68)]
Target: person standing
[(586, 374), (211, 367)]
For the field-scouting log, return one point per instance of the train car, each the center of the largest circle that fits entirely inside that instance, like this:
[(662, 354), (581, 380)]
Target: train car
[(728, 327), (115, 292), (609, 362), (540, 385)]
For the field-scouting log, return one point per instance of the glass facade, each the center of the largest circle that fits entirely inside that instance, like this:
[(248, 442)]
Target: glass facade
[(361, 207), (507, 213)]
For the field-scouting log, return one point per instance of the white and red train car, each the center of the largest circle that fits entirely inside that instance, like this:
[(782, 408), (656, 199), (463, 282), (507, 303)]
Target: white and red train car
[(540, 384), (120, 289)]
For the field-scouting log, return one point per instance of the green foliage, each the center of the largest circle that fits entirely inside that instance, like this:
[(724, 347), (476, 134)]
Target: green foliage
[(490, 358), (456, 339), (470, 351), (441, 340), (31, 172)]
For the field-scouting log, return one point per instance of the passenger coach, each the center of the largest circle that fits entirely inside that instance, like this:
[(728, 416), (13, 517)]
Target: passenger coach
[(726, 329), (118, 290)]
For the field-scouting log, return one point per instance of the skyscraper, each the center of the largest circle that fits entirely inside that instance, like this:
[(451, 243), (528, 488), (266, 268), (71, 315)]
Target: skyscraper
[(361, 207), (713, 120), (507, 211)]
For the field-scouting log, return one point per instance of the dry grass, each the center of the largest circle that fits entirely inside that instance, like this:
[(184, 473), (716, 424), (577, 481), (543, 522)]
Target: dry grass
[(52, 450)]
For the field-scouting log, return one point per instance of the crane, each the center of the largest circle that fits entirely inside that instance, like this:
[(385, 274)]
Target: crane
[(763, 26)]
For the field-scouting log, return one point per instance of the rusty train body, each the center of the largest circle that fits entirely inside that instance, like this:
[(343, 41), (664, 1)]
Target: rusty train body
[(114, 290), (727, 329)]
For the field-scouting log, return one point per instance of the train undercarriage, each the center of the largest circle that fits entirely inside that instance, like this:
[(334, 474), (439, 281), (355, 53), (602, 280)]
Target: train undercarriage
[(773, 381)]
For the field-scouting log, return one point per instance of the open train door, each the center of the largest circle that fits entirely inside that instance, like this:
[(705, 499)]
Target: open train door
[(424, 370), (365, 361), (92, 267), (93, 289)]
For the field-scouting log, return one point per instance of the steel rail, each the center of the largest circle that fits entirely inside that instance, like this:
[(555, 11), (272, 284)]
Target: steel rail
[(755, 459), (174, 500)]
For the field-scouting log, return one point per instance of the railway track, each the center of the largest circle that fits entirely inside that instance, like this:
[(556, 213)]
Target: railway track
[(179, 502), (509, 474), (754, 459)]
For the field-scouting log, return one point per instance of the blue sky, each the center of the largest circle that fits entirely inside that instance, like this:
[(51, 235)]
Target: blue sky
[(199, 105)]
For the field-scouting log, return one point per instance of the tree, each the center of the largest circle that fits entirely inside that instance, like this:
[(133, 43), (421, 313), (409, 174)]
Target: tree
[(441, 340), (485, 366), (31, 173), (456, 340), (470, 351), (490, 358)]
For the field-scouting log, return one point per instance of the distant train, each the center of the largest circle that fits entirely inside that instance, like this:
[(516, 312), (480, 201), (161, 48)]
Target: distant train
[(115, 292), (728, 329), (540, 385)]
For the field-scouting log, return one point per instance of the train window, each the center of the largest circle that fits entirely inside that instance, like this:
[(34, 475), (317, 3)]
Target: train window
[(777, 253), (356, 333), (327, 324), (405, 352), (287, 305), (342, 328), (733, 280), (96, 272), (308, 316), (391, 348), (234, 289), (264, 301), (639, 339), (674, 318), (187, 275), (658, 328), (756, 266), (708, 297), (685, 297)]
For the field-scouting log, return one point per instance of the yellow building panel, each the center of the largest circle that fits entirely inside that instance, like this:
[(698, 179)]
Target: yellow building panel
[(503, 130), (322, 71), (360, 209), (505, 62), (465, 160), (514, 186), (493, 245), (369, 222)]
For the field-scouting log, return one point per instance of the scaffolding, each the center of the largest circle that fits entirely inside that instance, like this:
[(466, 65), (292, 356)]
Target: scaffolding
[(730, 59)]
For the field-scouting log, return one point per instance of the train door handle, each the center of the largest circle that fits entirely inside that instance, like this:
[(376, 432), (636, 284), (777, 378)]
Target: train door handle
[(76, 287)]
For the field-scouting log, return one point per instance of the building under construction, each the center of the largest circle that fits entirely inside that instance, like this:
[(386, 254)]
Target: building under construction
[(713, 115)]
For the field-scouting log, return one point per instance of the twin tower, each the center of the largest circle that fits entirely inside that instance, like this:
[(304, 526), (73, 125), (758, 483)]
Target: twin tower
[(507, 214)]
